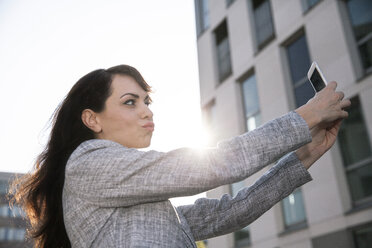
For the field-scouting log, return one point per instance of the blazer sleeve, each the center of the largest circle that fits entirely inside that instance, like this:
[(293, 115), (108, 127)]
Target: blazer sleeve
[(108, 174), (208, 218)]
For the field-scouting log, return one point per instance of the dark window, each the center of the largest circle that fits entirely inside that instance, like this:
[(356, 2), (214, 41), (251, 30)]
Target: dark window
[(356, 152), (299, 64), (293, 209), (263, 22), (361, 19), (4, 210), (202, 16), (307, 4), (4, 187), (223, 51), (251, 103), (229, 2), (363, 237), (241, 237), (12, 234), (253, 120)]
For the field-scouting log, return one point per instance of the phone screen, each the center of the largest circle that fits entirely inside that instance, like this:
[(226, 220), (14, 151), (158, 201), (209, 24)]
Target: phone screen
[(317, 81)]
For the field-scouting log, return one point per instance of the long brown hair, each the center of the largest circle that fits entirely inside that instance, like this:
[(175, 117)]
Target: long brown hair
[(40, 193)]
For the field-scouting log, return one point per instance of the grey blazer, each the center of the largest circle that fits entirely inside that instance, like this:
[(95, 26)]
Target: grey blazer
[(115, 196)]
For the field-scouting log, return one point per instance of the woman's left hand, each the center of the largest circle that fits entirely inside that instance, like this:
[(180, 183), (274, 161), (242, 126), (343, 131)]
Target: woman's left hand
[(323, 138)]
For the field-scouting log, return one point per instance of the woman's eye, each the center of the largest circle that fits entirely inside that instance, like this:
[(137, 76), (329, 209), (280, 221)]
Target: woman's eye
[(148, 103), (129, 102)]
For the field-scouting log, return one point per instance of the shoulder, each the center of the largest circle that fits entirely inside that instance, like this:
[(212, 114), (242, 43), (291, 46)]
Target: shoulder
[(95, 146), (99, 151)]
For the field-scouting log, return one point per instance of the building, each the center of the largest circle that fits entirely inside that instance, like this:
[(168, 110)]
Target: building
[(12, 223), (253, 59)]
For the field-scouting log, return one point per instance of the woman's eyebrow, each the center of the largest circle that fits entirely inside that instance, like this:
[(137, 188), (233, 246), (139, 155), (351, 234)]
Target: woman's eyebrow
[(134, 95), (147, 97)]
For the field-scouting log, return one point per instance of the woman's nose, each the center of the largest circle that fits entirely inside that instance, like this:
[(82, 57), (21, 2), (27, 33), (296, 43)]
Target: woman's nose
[(146, 112)]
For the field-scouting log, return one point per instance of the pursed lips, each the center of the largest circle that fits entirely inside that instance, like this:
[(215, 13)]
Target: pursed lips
[(149, 126)]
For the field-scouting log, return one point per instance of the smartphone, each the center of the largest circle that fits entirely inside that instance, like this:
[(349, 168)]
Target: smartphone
[(316, 77)]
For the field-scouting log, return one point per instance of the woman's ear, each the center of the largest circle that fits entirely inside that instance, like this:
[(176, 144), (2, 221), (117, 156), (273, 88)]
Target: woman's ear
[(89, 118)]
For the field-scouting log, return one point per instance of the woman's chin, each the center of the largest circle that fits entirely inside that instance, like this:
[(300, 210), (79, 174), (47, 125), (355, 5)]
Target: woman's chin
[(145, 144)]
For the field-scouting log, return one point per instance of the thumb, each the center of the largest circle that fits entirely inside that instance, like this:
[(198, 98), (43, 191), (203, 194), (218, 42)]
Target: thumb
[(332, 85), (333, 129)]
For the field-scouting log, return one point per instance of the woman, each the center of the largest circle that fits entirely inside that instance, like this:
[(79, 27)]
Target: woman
[(92, 188)]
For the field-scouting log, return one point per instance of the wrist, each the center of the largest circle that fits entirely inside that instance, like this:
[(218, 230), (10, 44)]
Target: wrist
[(310, 118), (304, 155)]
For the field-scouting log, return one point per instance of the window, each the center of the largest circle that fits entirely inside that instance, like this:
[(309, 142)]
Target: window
[(253, 119), (19, 234), (308, 4), (363, 237), (299, 64), (356, 153), (263, 22), (294, 209), (210, 115), (229, 2), (17, 212), (241, 237), (223, 51), (12, 234), (4, 210), (210, 123), (202, 16), (3, 187), (361, 20), (251, 103), (3, 232)]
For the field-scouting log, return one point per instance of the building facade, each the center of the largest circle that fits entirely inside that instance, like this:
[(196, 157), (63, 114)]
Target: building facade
[(12, 223), (253, 59)]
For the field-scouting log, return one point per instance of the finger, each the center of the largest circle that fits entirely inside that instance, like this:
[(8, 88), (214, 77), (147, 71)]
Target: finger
[(330, 124), (339, 114), (345, 103), (332, 85), (341, 95), (344, 114), (337, 125), (334, 124)]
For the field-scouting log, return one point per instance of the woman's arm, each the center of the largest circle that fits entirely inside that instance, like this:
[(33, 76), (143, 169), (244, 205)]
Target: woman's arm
[(108, 174), (209, 218)]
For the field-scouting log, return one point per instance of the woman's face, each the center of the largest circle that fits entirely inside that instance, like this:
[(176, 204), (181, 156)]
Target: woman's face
[(126, 118)]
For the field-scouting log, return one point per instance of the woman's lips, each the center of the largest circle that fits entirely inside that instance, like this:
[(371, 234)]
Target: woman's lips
[(149, 126)]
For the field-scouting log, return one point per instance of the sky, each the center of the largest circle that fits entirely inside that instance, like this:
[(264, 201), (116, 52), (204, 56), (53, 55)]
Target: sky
[(47, 45)]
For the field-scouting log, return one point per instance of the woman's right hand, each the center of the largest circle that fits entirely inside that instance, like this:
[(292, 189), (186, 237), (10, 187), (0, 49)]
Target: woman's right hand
[(325, 107)]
